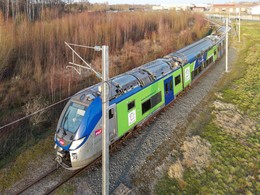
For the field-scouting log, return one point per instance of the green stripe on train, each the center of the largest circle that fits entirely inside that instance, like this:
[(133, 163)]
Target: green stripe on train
[(177, 88), (127, 119)]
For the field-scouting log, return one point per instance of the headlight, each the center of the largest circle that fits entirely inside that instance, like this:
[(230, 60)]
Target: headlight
[(76, 143)]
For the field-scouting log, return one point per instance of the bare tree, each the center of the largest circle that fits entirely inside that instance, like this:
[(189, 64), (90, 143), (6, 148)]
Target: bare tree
[(34, 105), (6, 10)]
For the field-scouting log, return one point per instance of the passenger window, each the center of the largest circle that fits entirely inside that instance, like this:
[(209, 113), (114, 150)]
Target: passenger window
[(177, 80), (156, 99), (111, 113), (152, 102), (166, 87), (146, 106), (131, 105)]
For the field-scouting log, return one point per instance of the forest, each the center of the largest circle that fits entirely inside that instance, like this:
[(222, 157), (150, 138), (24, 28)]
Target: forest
[(33, 55)]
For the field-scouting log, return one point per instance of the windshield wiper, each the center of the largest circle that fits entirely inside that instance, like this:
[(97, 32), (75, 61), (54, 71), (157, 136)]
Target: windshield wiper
[(63, 131), (65, 120)]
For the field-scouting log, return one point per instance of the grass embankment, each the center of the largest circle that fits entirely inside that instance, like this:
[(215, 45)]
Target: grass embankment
[(231, 134)]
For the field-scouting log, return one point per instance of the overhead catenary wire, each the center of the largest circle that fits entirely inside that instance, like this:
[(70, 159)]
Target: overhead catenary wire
[(34, 113), (41, 110), (88, 66)]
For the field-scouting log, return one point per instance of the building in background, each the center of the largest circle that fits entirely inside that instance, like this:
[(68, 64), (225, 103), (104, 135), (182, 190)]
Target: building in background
[(184, 7), (254, 10)]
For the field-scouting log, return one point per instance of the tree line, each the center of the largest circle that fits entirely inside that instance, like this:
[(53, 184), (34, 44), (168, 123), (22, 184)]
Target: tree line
[(34, 10)]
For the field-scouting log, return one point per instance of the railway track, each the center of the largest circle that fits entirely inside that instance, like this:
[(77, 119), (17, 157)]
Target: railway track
[(52, 189), (54, 170), (50, 173)]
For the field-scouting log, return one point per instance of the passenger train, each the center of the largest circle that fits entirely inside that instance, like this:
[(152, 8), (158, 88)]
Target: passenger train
[(134, 97)]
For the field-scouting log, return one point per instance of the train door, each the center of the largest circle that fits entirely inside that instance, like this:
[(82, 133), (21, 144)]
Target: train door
[(219, 50), (168, 90), (112, 121), (222, 47)]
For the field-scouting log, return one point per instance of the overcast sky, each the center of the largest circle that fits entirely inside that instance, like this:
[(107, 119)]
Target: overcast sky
[(158, 2)]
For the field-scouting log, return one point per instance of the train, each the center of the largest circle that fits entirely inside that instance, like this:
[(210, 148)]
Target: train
[(134, 97)]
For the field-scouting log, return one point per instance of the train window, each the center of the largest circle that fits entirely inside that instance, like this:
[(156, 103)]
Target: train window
[(73, 117), (192, 75), (206, 63), (166, 88), (171, 87), (146, 106), (152, 102), (200, 69), (131, 105), (195, 72), (156, 99), (211, 59), (111, 113), (215, 52), (177, 80)]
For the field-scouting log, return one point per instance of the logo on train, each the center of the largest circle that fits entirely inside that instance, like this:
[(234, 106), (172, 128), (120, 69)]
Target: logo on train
[(98, 132), (131, 117), (200, 60), (62, 142)]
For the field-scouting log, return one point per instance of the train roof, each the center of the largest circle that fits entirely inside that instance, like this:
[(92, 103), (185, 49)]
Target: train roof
[(221, 31), (190, 52), (147, 73), (123, 83)]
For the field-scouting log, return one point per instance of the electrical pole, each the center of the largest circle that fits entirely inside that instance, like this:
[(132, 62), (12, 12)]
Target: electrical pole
[(105, 103), (105, 122), (226, 44)]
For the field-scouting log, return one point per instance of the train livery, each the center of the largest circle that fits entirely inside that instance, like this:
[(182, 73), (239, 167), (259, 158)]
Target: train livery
[(134, 96)]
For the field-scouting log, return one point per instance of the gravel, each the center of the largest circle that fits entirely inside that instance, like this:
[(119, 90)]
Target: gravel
[(126, 161)]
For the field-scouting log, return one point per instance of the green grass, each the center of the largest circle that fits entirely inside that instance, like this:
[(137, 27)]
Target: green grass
[(245, 91), (22, 164), (235, 165), (234, 168), (67, 189)]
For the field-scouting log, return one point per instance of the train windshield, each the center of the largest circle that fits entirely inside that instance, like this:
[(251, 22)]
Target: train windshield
[(73, 117)]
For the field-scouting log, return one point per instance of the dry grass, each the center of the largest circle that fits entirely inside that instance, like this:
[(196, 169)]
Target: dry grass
[(176, 170), (36, 51), (196, 153), (232, 120)]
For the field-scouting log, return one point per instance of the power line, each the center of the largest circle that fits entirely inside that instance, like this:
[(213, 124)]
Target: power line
[(36, 112)]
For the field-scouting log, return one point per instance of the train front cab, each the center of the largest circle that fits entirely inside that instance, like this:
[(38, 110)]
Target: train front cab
[(78, 126)]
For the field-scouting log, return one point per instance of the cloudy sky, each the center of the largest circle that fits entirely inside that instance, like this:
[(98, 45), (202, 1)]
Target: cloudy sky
[(158, 2)]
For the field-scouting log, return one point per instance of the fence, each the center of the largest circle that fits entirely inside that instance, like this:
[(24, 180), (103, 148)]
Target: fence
[(235, 17)]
